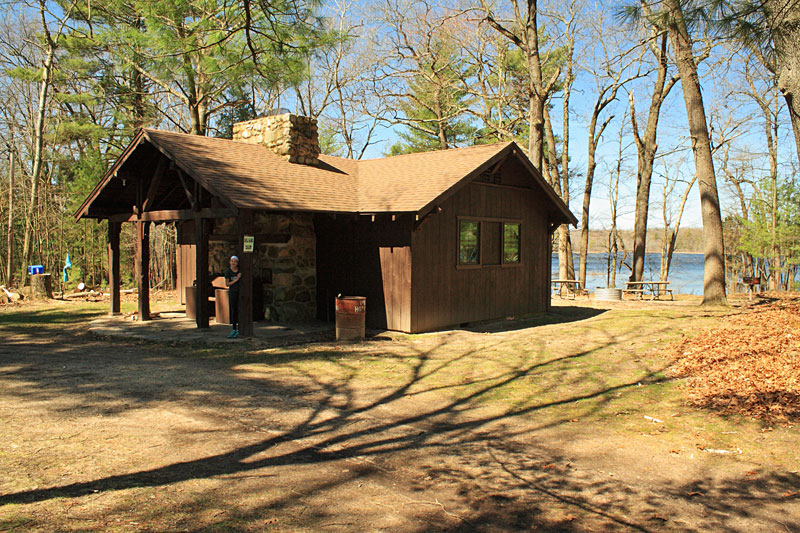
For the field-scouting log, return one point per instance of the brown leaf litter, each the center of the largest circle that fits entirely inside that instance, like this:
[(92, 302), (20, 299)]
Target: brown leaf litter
[(750, 365)]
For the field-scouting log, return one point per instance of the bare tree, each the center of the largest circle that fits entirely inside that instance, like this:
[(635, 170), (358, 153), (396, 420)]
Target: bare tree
[(770, 29), (335, 91), (738, 176), (611, 74), (672, 221), (498, 84), (671, 18), (523, 31), (10, 226), (769, 106), (647, 146), (614, 238), (420, 73), (50, 45)]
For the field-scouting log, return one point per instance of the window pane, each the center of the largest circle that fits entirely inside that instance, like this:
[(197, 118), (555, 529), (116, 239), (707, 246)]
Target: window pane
[(511, 243), (469, 242)]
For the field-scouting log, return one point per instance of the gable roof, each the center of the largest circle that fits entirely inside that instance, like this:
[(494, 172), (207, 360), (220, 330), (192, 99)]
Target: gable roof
[(250, 176)]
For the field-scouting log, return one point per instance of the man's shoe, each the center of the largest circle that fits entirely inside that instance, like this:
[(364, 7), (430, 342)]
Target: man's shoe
[(233, 334)]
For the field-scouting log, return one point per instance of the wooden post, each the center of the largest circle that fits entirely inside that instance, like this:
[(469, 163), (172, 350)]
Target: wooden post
[(113, 265), (549, 267), (246, 266), (143, 267), (201, 272)]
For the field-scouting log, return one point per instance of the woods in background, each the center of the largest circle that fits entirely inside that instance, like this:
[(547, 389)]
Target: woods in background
[(622, 108)]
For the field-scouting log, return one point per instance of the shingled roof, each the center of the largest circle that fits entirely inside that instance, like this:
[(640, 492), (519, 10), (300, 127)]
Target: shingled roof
[(251, 176)]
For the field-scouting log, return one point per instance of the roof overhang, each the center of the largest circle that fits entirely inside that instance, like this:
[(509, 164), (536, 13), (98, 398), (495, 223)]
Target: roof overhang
[(140, 137), (109, 175), (512, 150)]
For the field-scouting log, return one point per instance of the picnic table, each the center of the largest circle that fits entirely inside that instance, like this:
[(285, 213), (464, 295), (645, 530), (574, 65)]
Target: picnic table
[(654, 288), (572, 286)]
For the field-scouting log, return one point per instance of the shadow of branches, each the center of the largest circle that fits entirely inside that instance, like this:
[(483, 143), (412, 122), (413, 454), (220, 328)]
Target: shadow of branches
[(454, 431)]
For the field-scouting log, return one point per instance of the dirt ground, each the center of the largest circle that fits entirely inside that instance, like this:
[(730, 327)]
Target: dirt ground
[(560, 423)]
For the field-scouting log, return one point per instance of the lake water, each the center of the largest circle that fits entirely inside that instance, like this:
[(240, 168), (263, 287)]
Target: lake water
[(685, 273)]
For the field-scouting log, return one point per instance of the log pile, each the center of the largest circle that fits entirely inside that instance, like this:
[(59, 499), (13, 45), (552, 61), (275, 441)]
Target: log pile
[(7, 296)]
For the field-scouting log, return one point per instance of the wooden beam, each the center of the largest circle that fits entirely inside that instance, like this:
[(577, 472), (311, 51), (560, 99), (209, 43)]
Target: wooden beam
[(424, 220), (110, 174), (261, 238), (246, 266), (176, 214), (189, 195), (201, 272), (155, 182), (113, 265), (143, 267)]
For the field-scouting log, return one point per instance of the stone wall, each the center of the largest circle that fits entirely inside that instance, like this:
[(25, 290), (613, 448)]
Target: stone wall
[(287, 271), (290, 136)]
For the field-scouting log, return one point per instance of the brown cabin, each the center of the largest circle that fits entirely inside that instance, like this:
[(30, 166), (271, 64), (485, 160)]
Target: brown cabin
[(432, 239)]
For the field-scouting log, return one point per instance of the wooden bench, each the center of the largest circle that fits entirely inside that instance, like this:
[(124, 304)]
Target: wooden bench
[(638, 292), (662, 292)]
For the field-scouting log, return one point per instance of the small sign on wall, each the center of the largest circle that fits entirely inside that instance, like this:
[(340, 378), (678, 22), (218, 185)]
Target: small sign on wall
[(249, 243)]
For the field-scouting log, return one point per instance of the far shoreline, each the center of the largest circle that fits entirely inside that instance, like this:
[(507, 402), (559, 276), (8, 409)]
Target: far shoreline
[(631, 253)]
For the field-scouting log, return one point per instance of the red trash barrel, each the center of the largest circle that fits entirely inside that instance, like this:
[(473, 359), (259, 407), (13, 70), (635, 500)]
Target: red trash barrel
[(351, 312)]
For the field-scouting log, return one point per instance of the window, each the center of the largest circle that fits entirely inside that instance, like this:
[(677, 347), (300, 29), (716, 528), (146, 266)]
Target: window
[(469, 242), (488, 242), (511, 243)]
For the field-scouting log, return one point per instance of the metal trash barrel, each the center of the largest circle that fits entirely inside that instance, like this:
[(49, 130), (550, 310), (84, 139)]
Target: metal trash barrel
[(607, 294), (351, 312)]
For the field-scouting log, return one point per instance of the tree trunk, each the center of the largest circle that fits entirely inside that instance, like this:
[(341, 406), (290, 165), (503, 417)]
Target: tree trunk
[(783, 18), (646, 148), (537, 98), (41, 286), (673, 237), (37, 157), (714, 270), (138, 99), (566, 268), (587, 191), (10, 236)]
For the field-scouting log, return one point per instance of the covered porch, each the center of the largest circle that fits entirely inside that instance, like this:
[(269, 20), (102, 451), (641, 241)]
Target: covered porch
[(147, 185)]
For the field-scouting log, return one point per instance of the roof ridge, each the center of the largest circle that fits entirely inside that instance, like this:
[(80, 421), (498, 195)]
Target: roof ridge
[(440, 150)]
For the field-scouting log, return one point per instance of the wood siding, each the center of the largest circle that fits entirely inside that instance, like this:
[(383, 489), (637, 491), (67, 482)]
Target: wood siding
[(358, 256), (444, 294), (185, 257)]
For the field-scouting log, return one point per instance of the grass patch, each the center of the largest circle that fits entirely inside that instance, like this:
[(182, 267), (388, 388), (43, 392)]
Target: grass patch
[(15, 523), (50, 317)]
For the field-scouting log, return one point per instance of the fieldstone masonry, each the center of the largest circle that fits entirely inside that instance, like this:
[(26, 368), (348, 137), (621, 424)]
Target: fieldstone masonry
[(290, 136), (287, 271)]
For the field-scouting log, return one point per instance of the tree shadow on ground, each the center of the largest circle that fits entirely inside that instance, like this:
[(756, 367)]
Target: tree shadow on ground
[(474, 467), (557, 315), (50, 316)]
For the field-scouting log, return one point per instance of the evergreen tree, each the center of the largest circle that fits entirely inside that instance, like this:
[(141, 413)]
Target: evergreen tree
[(433, 108)]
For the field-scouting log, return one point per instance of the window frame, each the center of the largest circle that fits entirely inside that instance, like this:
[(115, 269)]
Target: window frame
[(462, 220), (481, 264)]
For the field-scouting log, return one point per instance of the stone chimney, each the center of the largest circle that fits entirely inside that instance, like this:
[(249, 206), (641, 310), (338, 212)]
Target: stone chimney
[(290, 136)]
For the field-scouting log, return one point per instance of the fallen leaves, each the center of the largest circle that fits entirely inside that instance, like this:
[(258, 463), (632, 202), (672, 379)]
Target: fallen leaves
[(750, 365)]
